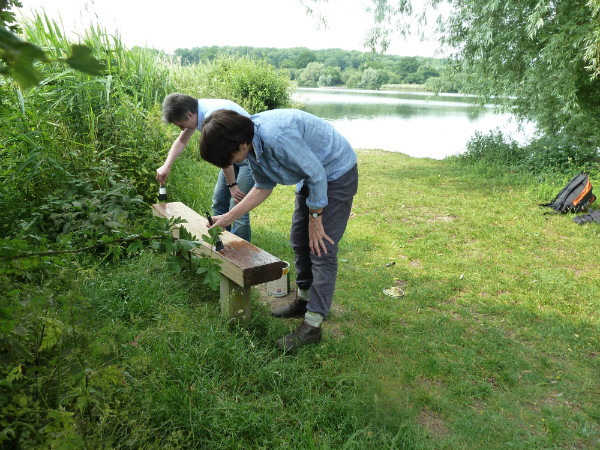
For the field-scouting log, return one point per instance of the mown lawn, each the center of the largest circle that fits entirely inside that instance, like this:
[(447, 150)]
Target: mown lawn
[(495, 343)]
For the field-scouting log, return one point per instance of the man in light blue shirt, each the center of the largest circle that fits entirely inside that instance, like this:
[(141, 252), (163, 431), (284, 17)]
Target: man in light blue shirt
[(288, 146), (234, 181)]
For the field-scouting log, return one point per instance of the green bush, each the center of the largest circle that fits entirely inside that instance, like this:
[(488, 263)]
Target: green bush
[(545, 155), (252, 83), (492, 148), (560, 154)]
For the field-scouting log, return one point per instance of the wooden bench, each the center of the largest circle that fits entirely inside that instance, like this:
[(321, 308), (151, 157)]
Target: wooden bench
[(242, 264)]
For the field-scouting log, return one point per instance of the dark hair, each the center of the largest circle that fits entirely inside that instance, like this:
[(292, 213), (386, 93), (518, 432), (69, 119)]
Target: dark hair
[(222, 134), (176, 106)]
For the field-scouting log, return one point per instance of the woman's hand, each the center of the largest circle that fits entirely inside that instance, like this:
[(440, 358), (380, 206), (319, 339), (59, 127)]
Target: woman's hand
[(317, 236), (223, 221)]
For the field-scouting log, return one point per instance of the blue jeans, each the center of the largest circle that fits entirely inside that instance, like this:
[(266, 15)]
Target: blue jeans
[(222, 201)]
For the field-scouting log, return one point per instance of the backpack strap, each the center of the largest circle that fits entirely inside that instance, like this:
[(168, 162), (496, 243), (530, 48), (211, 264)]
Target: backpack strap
[(593, 215)]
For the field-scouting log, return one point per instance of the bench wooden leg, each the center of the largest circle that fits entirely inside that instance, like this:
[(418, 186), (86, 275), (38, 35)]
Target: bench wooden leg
[(235, 300)]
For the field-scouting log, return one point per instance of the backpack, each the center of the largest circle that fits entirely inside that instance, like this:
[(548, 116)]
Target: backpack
[(575, 196)]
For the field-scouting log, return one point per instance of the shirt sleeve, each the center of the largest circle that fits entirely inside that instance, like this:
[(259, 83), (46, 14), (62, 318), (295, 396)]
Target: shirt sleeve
[(261, 181)]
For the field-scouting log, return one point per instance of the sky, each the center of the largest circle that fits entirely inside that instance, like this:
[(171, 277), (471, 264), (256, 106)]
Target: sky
[(168, 25)]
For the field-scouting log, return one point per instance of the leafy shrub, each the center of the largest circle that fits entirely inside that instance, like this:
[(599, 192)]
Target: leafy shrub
[(57, 378), (560, 154), (548, 154), (252, 83), (492, 148)]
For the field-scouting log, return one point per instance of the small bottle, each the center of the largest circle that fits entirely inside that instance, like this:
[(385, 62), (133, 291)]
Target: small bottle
[(162, 193)]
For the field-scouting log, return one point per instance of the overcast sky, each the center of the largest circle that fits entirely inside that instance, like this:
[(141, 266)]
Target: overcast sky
[(168, 25)]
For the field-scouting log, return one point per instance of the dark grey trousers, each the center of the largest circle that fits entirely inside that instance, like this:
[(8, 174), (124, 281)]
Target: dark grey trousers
[(319, 273)]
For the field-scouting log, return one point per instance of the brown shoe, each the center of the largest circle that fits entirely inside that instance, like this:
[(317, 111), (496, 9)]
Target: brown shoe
[(304, 334), (295, 309)]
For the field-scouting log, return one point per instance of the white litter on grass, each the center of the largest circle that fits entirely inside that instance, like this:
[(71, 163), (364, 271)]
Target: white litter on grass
[(394, 291)]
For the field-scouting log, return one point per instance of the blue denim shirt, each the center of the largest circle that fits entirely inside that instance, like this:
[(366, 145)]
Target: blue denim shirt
[(295, 147), (206, 106)]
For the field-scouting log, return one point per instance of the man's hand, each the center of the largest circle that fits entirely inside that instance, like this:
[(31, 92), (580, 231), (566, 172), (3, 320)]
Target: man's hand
[(317, 236), (162, 173)]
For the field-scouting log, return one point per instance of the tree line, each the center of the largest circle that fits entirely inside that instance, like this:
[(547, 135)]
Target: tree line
[(332, 67)]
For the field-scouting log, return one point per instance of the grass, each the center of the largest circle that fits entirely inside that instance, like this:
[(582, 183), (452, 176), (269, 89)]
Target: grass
[(494, 345)]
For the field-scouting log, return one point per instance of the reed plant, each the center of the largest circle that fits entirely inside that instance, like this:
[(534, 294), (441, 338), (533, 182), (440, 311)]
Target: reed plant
[(73, 122)]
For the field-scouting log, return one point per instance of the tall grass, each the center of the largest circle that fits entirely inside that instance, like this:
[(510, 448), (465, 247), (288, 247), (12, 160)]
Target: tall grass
[(73, 123)]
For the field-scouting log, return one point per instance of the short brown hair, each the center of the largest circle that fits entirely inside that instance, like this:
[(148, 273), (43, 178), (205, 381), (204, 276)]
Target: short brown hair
[(222, 134)]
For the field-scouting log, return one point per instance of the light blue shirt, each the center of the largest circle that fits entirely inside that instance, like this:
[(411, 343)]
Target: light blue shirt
[(206, 106), (295, 147)]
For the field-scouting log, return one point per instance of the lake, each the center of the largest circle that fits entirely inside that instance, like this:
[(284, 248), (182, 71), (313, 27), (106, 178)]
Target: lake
[(415, 123)]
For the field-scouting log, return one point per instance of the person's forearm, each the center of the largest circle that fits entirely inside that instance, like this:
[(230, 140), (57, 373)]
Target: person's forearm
[(229, 174), (174, 153), (178, 146)]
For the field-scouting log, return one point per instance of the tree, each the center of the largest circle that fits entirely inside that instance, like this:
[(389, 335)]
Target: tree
[(407, 65), (311, 74), (337, 58), (334, 75), (304, 58), (351, 77), (538, 56), (373, 78), (592, 53), (325, 80)]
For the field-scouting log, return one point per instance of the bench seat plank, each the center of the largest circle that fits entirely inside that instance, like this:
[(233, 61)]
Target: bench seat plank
[(242, 262)]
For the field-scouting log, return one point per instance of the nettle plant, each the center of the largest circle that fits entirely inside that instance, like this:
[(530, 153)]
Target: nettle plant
[(181, 253), (106, 219)]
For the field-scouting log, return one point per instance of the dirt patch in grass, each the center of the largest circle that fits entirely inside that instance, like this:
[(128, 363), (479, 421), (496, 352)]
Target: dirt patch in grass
[(430, 384), (276, 302), (271, 300), (441, 219), (433, 423)]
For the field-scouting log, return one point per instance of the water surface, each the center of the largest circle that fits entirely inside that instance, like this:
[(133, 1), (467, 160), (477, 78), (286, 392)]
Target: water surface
[(416, 123)]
